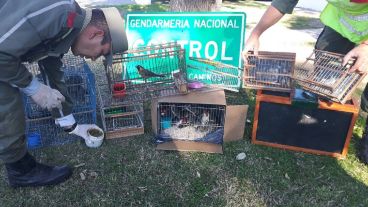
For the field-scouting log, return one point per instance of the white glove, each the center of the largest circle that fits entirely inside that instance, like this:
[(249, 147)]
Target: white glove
[(44, 96), (81, 130)]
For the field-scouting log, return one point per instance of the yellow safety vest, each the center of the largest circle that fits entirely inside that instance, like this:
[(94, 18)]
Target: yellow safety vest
[(347, 18)]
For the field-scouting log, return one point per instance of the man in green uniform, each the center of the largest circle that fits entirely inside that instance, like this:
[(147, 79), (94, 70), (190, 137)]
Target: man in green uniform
[(43, 31), (345, 32)]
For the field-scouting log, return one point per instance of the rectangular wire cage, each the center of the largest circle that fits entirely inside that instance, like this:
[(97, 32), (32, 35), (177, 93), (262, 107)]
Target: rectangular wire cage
[(214, 74), (43, 132), (190, 122), (123, 121), (323, 74), (142, 73), (269, 70)]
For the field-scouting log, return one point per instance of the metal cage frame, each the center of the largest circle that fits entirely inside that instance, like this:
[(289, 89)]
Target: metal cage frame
[(170, 58), (190, 120)]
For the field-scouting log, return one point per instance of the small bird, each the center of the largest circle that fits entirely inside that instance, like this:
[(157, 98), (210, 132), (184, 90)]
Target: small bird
[(205, 118), (144, 73)]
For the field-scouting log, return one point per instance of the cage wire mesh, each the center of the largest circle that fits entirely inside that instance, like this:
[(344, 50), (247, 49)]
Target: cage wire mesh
[(190, 122), (143, 73), (214, 74), (41, 130), (269, 70), (123, 120), (323, 74)]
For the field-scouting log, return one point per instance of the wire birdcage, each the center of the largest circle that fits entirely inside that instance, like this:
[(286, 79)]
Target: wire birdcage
[(214, 74), (190, 122), (43, 132), (269, 70), (123, 121), (323, 74), (143, 73)]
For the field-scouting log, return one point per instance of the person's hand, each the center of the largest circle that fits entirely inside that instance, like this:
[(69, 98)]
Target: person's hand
[(81, 130), (251, 44), (43, 95), (360, 52), (48, 98)]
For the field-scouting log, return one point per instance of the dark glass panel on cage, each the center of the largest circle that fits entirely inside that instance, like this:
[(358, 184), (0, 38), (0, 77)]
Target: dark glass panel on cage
[(191, 122)]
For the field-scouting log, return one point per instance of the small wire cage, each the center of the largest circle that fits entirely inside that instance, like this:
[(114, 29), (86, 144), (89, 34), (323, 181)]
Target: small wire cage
[(142, 73), (80, 82), (190, 122), (214, 74), (123, 121), (42, 132), (323, 74), (269, 70)]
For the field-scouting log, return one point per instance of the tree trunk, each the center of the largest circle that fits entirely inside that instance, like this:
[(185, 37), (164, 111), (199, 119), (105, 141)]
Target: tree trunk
[(195, 5)]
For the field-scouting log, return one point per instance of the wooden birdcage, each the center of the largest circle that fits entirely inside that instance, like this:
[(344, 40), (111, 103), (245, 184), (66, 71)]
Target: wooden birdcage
[(214, 74), (269, 70), (323, 74)]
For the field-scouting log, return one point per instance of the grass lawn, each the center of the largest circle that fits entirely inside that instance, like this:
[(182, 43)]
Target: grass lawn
[(131, 172)]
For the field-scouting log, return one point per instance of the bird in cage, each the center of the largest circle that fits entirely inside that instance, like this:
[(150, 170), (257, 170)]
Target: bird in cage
[(145, 74), (205, 118)]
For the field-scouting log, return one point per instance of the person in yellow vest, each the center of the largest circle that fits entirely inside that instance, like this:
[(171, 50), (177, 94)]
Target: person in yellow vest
[(345, 32)]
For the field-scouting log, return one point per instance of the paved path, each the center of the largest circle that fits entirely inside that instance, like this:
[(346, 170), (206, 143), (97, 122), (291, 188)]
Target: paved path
[(280, 37)]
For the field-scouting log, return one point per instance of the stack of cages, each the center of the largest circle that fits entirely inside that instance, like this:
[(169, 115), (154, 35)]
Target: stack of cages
[(213, 74), (135, 76), (190, 122), (269, 71), (323, 74), (41, 130), (144, 73)]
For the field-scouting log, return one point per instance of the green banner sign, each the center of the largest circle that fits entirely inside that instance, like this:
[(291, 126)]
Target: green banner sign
[(212, 35)]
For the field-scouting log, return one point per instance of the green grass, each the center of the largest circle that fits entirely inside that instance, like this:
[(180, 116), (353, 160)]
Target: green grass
[(131, 172), (296, 22), (156, 7)]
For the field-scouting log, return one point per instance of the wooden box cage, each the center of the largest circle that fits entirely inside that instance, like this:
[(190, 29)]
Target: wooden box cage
[(143, 73), (190, 122), (269, 70), (323, 74), (122, 120), (214, 74)]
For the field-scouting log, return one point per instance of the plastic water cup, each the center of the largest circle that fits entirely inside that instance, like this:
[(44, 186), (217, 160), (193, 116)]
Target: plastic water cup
[(95, 137), (33, 140)]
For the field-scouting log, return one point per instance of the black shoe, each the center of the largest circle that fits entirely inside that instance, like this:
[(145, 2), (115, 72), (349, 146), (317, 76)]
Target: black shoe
[(27, 172)]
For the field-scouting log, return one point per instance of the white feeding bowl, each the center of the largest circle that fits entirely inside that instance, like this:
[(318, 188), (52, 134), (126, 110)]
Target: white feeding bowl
[(94, 137)]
